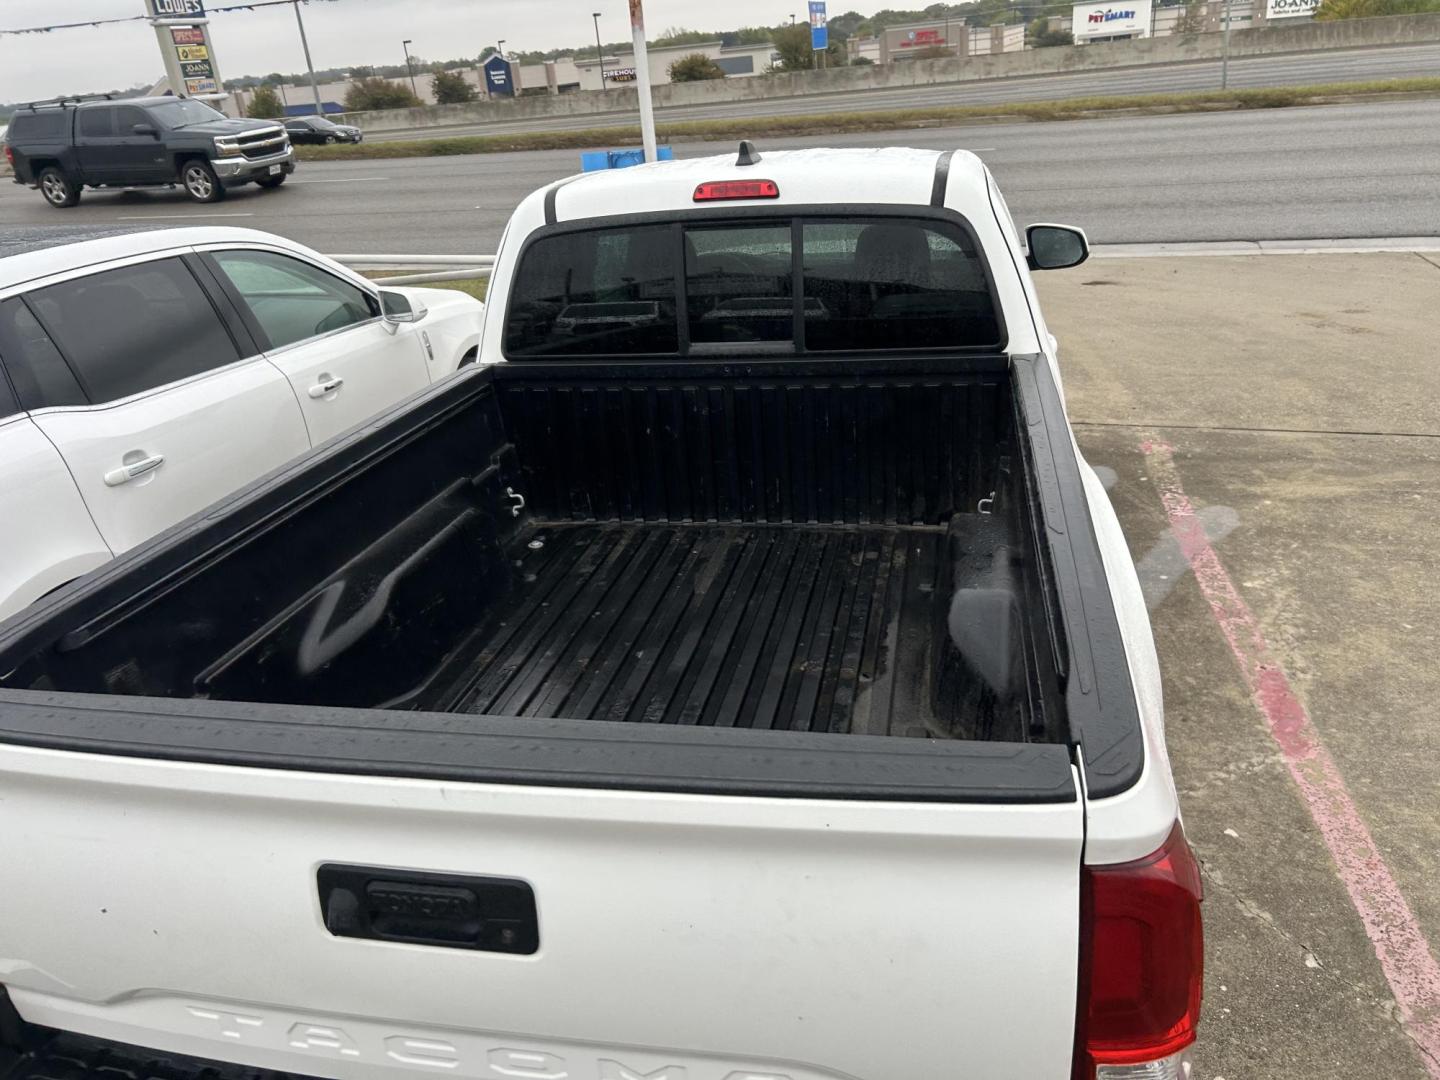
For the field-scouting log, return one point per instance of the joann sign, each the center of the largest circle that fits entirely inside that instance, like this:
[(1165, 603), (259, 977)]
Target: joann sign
[(1289, 9), (176, 9)]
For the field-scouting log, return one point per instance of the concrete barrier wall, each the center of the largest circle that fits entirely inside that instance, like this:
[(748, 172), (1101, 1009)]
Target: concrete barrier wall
[(1257, 41)]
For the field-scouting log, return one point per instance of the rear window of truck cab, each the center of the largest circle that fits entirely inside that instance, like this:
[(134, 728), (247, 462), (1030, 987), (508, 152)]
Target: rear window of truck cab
[(753, 285)]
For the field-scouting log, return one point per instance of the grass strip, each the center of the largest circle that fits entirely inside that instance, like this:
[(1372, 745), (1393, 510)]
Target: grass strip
[(475, 287), (881, 120)]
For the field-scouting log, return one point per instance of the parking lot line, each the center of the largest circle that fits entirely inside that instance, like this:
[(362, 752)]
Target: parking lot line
[(1405, 956)]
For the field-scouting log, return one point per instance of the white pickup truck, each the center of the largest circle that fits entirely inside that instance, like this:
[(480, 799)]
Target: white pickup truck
[(739, 675)]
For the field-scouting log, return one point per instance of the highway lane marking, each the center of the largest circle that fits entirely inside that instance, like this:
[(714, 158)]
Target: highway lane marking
[(161, 217), (1400, 945), (342, 180)]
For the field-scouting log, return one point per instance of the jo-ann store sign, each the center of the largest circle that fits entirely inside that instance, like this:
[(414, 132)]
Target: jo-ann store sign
[(1289, 9)]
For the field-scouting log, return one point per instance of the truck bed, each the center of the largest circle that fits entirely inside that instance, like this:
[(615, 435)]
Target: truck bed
[(796, 628), (846, 549)]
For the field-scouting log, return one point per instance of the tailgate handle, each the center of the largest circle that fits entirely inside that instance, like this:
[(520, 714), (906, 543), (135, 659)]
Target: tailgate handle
[(454, 911)]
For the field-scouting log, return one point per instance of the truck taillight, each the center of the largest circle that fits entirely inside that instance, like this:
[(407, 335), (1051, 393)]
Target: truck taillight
[(10, 154), (1141, 963)]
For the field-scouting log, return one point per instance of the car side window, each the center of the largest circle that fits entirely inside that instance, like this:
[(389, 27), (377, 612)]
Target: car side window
[(97, 123), (134, 328), (126, 117), (39, 373), (292, 300)]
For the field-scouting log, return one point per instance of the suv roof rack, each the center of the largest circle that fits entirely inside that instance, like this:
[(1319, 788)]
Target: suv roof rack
[(67, 99)]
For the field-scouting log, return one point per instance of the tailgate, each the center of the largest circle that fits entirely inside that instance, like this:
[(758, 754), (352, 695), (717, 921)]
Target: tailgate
[(677, 937)]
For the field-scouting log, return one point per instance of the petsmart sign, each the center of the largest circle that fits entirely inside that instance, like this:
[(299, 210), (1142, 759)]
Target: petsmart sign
[(1126, 18)]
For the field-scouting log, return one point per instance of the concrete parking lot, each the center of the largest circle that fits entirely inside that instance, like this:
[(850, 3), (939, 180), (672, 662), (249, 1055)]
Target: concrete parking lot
[(1272, 429)]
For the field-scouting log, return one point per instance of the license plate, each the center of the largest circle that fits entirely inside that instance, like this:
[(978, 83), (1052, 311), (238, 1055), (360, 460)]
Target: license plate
[(274, 170)]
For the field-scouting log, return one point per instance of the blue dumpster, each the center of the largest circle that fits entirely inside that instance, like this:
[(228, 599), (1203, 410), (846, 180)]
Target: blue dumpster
[(595, 160)]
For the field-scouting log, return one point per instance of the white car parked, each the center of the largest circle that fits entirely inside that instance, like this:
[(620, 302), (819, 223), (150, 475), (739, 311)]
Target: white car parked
[(143, 376)]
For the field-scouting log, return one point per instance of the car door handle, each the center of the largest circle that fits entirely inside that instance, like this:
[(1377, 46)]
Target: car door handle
[(126, 473), (329, 386)]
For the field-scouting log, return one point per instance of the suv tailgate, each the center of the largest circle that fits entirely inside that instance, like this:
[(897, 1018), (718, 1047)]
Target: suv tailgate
[(706, 937)]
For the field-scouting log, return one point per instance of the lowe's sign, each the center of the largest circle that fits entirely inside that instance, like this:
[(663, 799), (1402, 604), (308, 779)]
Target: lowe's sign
[(176, 9), (1090, 21)]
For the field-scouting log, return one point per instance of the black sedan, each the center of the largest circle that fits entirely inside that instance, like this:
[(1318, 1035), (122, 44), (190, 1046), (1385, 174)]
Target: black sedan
[(316, 129)]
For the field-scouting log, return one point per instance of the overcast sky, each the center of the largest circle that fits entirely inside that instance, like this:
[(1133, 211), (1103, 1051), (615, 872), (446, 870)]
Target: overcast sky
[(341, 32)]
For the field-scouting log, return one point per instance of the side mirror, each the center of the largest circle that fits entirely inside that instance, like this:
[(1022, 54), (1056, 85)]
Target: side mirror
[(1056, 247), (396, 308), (145, 129)]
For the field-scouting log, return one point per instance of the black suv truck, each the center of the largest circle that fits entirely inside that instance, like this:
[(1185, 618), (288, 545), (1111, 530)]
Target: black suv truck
[(62, 147)]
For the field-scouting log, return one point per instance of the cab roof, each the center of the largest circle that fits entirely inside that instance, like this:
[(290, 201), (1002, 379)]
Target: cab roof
[(821, 176)]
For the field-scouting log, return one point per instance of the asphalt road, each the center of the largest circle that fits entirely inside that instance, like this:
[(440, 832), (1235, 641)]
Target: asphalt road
[(1307, 173), (1332, 65)]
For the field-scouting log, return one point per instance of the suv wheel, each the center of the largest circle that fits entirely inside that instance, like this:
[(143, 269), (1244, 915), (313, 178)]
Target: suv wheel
[(57, 188), (200, 181)]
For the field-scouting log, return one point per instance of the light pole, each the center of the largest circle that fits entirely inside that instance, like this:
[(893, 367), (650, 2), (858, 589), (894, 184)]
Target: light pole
[(1225, 50), (314, 88), (642, 77), (599, 49), (408, 69)]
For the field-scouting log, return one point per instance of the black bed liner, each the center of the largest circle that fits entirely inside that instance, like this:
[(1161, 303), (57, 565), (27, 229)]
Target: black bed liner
[(758, 627)]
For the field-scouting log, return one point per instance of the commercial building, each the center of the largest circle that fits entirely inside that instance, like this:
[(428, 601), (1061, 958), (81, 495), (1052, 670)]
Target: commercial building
[(933, 40), (737, 61)]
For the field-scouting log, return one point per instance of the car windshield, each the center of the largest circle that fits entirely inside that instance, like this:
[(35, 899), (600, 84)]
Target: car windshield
[(182, 113)]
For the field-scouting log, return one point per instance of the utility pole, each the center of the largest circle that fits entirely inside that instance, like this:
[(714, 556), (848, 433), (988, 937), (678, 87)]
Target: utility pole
[(642, 77), (304, 44), (408, 69), (599, 49), (1225, 50)]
